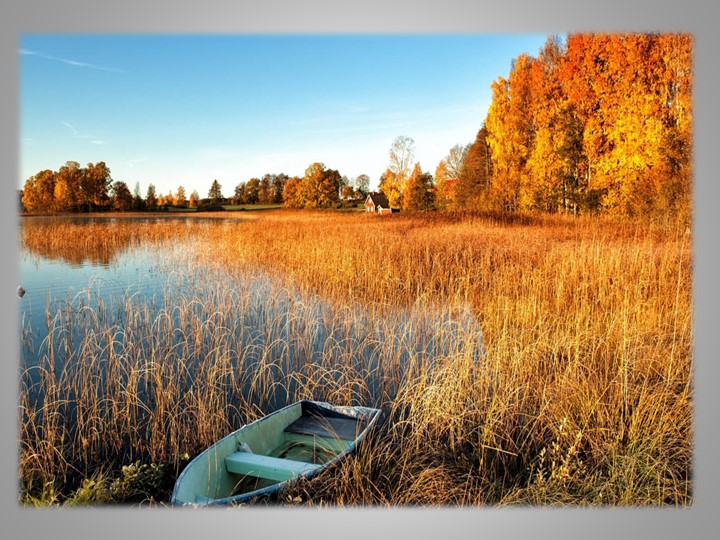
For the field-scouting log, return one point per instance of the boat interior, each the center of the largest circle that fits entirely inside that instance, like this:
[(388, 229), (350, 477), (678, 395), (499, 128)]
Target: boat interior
[(306, 444)]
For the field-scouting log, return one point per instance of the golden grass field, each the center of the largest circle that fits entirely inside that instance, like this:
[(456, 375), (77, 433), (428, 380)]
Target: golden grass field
[(519, 360)]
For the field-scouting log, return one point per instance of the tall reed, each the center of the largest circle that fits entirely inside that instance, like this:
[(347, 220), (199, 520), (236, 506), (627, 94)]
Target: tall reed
[(533, 361)]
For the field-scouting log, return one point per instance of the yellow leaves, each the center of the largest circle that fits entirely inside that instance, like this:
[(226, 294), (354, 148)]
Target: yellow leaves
[(62, 195), (393, 187), (609, 118)]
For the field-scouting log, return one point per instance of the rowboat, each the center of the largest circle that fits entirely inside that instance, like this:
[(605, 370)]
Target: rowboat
[(271, 453)]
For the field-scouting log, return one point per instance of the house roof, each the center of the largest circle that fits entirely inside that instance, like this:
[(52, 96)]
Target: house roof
[(378, 199)]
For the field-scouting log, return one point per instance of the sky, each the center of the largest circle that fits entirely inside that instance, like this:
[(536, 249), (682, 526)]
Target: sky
[(176, 110)]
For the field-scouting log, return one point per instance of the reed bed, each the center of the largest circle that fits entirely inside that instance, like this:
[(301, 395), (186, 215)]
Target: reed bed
[(537, 361)]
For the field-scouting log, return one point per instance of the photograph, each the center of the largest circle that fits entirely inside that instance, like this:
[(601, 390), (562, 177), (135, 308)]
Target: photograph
[(380, 270)]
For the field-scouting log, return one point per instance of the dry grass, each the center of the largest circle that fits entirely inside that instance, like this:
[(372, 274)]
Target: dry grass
[(519, 361)]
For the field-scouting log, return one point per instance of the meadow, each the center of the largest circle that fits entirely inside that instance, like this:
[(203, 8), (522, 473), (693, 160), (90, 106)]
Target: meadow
[(519, 360)]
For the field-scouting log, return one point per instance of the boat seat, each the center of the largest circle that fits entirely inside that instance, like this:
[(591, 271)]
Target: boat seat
[(321, 426), (272, 468)]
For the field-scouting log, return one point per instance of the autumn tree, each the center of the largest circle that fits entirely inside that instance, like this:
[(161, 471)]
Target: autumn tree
[(472, 190), (320, 187), (30, 197), (67, 187), (46, 189), (278, 186), (545, 188), (592, 78), (239, 195), (164, 200), (95, 183), (675, 163), (447, 174), (510, 134), (418, 193), (631, 95), (63, 196), (265, 190), (215, 192), (180, 199), (122, 199), (252, 191), (392, 183), (392, 188), (362, 184), (71, 188), (346, 192), (39, 192), (194, 200), (138, 202), (602, 122), (151, 198), (292, 195), (445, 190)]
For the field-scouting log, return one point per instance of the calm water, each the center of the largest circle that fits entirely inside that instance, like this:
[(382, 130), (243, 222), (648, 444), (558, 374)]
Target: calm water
[(47, 281), (149, 275), (116, 318), (77, 273)]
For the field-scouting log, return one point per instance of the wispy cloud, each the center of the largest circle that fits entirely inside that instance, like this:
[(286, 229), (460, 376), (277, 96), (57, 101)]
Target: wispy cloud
[(76, 133), (90, 138), (70, 62), (132, 162)]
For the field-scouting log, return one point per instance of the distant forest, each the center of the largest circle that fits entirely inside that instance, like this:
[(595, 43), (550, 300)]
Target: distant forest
[(596, 123)]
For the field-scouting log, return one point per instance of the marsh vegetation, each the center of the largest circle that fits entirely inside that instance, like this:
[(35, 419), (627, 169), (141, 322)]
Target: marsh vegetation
[(519, 360)]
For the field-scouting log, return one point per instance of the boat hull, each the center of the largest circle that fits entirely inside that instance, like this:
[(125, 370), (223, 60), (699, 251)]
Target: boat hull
[(265, 456)]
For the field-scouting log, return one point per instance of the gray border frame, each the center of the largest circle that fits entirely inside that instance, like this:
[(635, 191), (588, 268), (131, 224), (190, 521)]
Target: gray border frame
[(377, 16)]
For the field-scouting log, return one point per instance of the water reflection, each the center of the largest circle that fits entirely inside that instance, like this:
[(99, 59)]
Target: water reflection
[(134, 343), (98, 259), (97, 241)]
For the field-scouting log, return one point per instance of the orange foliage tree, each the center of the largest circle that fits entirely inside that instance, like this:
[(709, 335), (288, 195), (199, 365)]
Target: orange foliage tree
[(418, 193), (602, 122), (511, 133), (472, 190), (71, 188)]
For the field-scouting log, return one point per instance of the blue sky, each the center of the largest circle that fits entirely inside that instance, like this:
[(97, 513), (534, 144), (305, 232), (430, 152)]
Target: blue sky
[(187, 109)]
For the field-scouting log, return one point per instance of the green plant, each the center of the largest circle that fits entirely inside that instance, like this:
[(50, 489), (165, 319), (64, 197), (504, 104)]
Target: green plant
[(139, 483)]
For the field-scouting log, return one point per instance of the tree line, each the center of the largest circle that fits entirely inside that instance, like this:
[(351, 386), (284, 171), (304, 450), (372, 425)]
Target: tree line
[(90, 189), (73, 188), (599, 123)]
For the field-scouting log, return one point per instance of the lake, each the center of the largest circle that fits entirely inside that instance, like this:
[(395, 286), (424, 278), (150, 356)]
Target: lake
[(144, 338), (105, 264)]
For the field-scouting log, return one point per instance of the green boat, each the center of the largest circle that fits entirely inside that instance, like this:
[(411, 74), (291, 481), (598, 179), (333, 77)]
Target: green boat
[(269, 454)]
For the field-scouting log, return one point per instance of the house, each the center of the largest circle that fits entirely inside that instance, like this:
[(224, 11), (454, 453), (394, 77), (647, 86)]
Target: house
[(377, 202)]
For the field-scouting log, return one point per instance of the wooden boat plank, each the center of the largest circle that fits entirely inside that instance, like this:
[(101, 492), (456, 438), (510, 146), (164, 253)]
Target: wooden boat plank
[(268, 467), (337, 428)]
